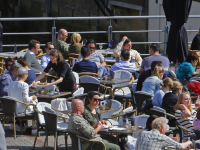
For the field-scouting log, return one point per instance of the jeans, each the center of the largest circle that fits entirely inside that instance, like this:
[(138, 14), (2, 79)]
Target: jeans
[(102, 71)]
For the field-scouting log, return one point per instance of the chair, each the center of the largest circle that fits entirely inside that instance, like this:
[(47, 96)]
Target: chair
[(39, 117), (73, 55), (197, 132), (138, 98), (140, 120), (9, 110), (54, 127), (77, 78), (88, 74), (158, 111), (76, 141)]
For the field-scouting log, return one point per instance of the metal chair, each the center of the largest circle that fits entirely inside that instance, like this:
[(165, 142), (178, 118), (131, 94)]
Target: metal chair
[(9, 110), (88, 74), (76, 141), (140, 120), (54, 127)]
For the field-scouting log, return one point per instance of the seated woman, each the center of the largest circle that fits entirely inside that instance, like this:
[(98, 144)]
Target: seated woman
[(75, 46), (152, 83), (8, 63), (31, 74), (20, 90), (184, 113), (170, 99), (92, 114), (185, 69), (66, 80), (167, 84)]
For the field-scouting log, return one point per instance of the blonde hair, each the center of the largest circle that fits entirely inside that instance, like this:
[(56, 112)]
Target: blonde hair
[(75, 38), (56, 54), (157, 70), (176, 107), (167, 82), (176, 85)]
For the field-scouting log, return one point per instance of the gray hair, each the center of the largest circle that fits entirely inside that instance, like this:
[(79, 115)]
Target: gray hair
[(160, 122), (21, 71), (15, 66)]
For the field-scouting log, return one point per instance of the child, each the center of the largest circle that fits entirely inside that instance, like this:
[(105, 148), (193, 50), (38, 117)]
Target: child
[(197, 120)]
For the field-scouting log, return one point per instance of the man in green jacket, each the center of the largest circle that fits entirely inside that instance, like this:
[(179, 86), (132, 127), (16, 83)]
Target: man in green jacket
[(61, 45)]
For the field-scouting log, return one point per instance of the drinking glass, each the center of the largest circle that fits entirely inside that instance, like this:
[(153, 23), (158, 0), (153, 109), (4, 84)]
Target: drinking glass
[(100, 46)]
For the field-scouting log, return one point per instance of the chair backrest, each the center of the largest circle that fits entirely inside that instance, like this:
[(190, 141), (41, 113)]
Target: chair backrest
[(69, 105), (115, 105), (139, 97), (158, 111), (88, 74), (181, 134), (197, 132), (8, 104), (50, 121), (89, 83), (74, 139), (77, 78), (74, 55), (41, 107), (121, 74), (140, 120), (79, 91)]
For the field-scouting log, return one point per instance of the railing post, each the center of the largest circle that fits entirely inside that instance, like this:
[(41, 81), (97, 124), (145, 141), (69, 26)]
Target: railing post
[(54, 35), (166, 38), (110, 32)]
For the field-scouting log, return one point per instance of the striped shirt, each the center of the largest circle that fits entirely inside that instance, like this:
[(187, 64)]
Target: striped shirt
[(185, 122)]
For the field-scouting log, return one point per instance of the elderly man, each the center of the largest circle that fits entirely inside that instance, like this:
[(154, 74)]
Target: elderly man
[(124, 64), (61, 45), (155, 56), (80, 126), (7, 78), (46, 59), (156, 140), (96, 57), (126, 44), (34, 48)]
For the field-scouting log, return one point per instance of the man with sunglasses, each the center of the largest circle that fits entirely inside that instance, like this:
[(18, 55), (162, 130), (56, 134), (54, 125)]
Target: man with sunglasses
[(46, 59), (96, 57), (61, 45)]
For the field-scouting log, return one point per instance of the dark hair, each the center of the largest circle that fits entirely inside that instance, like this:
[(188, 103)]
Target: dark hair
[(155, 63), (90, 41), (126, 41), (7, 60), (149, 121), (154, 47), (57, 54), (191, 56), (85, 51), (198, 113), (47, 44), (125, 54), (32, 44), (23, 62), (90, 96)]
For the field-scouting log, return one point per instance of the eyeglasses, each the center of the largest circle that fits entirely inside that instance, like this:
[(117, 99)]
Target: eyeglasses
[(50, 48), (65, 35), (9, 64), (96, 99), (92, 48)]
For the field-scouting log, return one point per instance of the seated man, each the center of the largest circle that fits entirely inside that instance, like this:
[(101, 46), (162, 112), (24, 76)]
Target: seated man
[(80, 126), (96, 57), (127, 45), (34, 48), (147, 74), (7, 78), (155, 56), (156, 138), (85, 65), (46, 59), (124, 64)]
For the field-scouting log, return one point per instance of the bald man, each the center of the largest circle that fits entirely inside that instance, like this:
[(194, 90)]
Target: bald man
[(80, 126), (61, 45)]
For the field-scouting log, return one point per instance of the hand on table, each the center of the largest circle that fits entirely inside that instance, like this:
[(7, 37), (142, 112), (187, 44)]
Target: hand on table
[(34, 97), (47, 85), (104, 122)]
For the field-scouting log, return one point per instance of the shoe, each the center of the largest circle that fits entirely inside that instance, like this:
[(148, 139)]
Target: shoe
[(11, 127), (34, 132)]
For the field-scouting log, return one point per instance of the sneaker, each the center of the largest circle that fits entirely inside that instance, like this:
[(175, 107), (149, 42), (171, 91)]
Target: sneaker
[(11, 127)]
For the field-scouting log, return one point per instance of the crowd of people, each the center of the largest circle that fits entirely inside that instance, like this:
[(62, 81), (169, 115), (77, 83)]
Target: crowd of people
[(153, 78)]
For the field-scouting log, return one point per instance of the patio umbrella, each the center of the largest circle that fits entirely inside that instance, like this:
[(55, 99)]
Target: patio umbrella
[(177, 12)]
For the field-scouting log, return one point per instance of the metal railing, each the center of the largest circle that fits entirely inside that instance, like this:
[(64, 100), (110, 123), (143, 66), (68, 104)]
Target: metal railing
[(109, 32)]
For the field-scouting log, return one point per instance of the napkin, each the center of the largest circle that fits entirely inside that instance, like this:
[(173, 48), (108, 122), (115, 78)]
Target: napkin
[(117, 128)]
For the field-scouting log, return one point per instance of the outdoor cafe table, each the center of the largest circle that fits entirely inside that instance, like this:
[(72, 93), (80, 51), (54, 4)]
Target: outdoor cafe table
[(12, 54), (47, 98)]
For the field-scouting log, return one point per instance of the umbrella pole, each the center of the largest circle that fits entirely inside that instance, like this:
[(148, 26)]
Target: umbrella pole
[(176, 66)]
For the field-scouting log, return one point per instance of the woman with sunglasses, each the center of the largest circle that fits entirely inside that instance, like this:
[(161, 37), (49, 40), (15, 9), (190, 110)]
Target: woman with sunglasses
[(66, 80), (186, 70), (92, 114), (8, 63)]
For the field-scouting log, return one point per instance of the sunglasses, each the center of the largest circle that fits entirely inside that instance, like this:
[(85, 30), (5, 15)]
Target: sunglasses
[(92, 47), (9, 64), (50, 48), (96, 99)]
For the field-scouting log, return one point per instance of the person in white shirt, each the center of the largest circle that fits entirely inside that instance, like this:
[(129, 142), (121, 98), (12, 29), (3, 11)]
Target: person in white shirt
[(124, 63), (126, 44)]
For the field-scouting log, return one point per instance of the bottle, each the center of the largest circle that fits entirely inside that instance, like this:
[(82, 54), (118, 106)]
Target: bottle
[(15, 48)]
